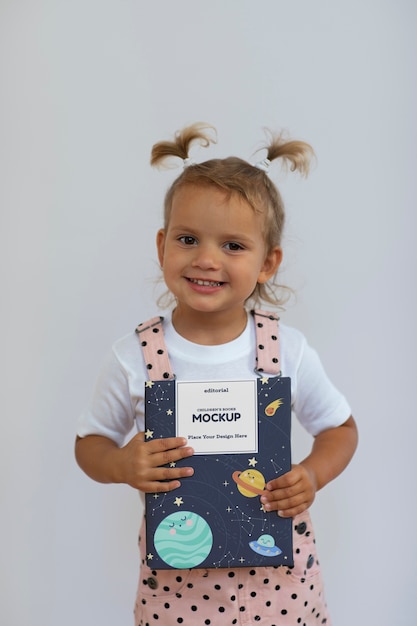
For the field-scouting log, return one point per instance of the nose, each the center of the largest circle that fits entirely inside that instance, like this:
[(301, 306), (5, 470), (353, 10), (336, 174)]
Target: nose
[(206, 257)]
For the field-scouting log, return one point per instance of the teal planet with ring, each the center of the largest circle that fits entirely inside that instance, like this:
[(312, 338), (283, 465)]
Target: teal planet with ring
[(183, 540)]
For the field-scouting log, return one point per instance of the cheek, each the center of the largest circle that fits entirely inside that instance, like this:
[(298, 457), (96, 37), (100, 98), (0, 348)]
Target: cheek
[(168, 259), (189, 523), (172, 531)]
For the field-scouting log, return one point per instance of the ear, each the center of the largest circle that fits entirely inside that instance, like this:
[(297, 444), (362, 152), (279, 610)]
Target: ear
[(160, 245), (271, 264)]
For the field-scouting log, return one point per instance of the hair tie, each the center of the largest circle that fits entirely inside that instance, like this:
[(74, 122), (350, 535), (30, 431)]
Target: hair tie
[(188, 161), (263, 165)]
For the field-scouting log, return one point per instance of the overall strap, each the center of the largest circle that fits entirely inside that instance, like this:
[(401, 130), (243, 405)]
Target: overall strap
[(268, 358), (154, 350), (155, 353)]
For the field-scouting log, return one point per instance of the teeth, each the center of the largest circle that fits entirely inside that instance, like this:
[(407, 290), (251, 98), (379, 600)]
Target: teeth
[(205, 283)]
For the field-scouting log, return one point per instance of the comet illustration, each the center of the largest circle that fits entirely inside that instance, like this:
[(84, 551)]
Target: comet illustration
[(272, 408)]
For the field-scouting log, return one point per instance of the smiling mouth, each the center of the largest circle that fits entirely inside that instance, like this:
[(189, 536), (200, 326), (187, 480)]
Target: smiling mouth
[(205, 283)]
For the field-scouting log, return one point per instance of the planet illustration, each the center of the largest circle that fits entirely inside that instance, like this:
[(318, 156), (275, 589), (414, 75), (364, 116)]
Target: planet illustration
[(250, 483), (265, 546), (272, 407), (183, 539)]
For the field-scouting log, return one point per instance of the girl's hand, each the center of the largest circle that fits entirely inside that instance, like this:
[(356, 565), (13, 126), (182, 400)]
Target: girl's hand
[(138, 463), (292, 493), (142, 463)]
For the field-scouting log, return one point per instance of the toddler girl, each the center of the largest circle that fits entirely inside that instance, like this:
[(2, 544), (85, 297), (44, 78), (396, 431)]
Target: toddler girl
[(219, 249)]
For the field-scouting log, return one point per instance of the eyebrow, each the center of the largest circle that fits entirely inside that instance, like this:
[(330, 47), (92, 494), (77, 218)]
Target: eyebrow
[(180, 228)]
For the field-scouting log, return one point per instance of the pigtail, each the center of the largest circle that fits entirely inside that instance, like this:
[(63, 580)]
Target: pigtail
[(295, 154), (182, 142), (233, 175)]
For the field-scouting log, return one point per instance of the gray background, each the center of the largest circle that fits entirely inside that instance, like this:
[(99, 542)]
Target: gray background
[(87, 86)]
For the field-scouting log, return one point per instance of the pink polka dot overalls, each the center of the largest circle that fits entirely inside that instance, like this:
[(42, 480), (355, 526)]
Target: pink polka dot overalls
[(270, 596)]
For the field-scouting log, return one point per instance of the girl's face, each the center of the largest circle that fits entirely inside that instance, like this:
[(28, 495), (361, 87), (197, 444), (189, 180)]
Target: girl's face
[(213, 252)]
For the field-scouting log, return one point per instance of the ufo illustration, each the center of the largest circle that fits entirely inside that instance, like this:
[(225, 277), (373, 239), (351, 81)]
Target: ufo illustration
[(250, 483), (265, 546)]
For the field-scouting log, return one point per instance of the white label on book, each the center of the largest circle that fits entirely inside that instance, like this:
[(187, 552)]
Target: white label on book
[(218, 417)]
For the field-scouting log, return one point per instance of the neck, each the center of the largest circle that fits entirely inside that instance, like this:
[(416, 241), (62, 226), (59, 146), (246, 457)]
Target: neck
[(209, 329)]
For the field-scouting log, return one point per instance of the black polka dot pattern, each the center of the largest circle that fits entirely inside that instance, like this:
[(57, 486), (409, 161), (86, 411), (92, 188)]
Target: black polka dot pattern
[(154, 351), (270, 596), (268, 359)]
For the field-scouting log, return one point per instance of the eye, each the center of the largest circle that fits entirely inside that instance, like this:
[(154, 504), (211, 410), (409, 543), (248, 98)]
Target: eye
[(171, 525), (183, 519), (188, 240), (233, 246)]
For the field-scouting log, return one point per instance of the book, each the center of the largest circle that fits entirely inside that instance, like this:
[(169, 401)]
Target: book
[(240, 431)]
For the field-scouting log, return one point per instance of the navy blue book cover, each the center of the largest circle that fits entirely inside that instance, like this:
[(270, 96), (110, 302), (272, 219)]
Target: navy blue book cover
[(215, 519)]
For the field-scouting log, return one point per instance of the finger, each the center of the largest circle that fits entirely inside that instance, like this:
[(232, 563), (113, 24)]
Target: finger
[(168, 457), (167, 473), (168, 449), (286, 480), (165, 443), (285, 503), (293, 511), (165, 479), (283, 493), (159, 487)]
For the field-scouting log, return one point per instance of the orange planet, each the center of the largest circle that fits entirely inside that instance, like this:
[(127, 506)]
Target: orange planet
[(250, 483)]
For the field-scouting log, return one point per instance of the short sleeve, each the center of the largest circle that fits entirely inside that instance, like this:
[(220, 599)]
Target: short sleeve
[(109, 412), (318, 405)]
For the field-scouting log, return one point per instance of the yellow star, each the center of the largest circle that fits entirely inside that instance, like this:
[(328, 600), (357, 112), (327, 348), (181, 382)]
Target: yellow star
[(169, 412), (149, 383), (178, 501), (149, 434), (264, 380), (252, 462), (173, 464), (149, 557)]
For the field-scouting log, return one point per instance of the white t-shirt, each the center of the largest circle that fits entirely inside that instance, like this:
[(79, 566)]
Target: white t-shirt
[(117, 403)]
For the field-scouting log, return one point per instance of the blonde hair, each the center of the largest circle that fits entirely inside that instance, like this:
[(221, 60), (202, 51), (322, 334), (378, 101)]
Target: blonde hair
[(237, 176)]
